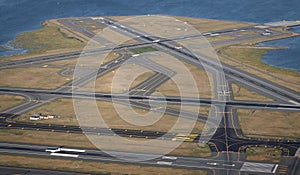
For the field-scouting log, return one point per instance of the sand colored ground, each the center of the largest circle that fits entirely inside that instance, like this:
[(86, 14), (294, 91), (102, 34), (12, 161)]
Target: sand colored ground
[(240, 93), (90, 167), (207, 25), (268, 123), (245, 55), (37, 77), (202, 82), (263, 154), (64, 109), (71, 63), (120, 80), (81, 141), (8, 101)]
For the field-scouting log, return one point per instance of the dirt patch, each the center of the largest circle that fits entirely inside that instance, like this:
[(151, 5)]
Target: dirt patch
[(8, 101), (269, 124), (45, 78)]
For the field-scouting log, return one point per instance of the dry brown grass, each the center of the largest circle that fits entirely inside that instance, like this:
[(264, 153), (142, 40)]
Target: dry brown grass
[(81, 141), (240, 93), (51, 39), (34, 55), (90, 167), (251, 56), (71, 63), (256, 123), (46, 38), (219, 38), (192, 149), (204, 110), (60, 107), (201, 78), (64, 108), (45, 78), (105, 82), (8, 101), (207, 25), (263, 154), (114, 121), (45, 137), (141, 78)]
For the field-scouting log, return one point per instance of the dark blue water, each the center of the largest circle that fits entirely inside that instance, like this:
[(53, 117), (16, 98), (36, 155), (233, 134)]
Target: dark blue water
[(288, 58), (17, 16)]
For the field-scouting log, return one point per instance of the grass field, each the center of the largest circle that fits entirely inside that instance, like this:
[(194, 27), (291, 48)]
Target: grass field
[(240, 93), (202, 81), (143, 49), (81, 141), (219, 38), (123, 74), (207, 25), (90, 167), (64, 109), (251, 56), (46, 38), (35, 77), (8, 101), (269, 124), (204, 110), (50, 39), (263, 154), (71, 63)]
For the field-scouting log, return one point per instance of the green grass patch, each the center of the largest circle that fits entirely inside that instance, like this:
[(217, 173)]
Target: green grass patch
[(263, 154), (143, 49), (44, 39), (252, 56)]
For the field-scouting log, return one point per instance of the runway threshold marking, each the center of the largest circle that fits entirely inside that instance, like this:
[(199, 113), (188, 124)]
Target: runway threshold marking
[(275, 168), (259, 167), (169, 157), (72, 150), (64, 155), (294, 102), (164, 163)]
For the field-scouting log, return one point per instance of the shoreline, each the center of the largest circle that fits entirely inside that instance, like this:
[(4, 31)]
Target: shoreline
[(18, 51)]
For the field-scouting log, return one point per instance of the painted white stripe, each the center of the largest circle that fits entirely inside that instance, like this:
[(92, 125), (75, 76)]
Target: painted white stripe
[(73, 150), (275, 168), (64, 155), (164, 163), (292, 101), (169, 157)]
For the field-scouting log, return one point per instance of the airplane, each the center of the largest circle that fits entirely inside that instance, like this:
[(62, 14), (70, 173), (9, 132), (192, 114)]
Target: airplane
[(224, 92)]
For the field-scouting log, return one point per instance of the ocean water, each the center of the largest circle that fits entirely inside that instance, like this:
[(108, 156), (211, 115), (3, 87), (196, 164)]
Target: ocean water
[(287, 58), (24, 15)]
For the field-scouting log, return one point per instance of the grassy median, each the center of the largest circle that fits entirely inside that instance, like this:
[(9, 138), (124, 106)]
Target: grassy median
[(240, 93), (64, 109), (251, 56), (81, 141), (263, 154), (8, 101), (34, 77), (143, 49), (89, 166), (269, 123)]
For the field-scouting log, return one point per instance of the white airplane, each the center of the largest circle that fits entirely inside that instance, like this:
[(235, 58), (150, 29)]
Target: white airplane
[(224, 92)]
